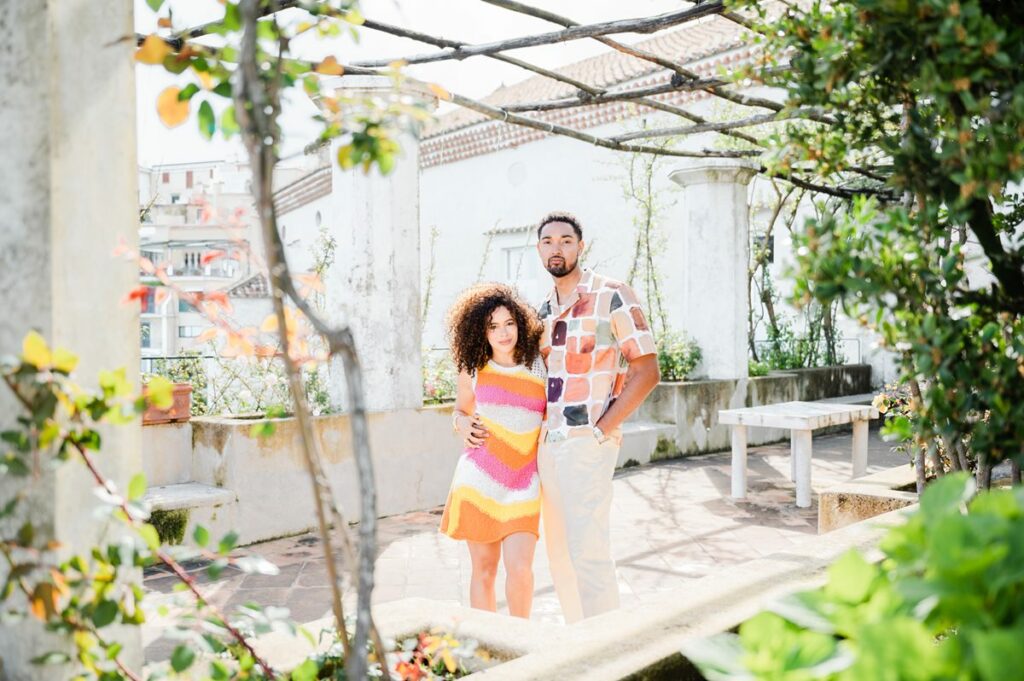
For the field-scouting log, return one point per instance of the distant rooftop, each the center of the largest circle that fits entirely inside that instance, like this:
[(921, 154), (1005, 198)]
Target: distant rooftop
[(464, 133)]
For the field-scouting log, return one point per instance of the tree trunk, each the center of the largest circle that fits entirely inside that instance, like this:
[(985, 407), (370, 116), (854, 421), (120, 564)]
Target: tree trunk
[(961, 454), (984, 475), (954, 460), (919, 468)]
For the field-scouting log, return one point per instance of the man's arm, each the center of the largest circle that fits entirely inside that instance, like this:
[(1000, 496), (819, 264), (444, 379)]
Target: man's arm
[(641, 378)]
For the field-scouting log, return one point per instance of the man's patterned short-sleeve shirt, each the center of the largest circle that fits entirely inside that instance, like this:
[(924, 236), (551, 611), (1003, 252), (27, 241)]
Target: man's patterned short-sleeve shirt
[(588, 342)]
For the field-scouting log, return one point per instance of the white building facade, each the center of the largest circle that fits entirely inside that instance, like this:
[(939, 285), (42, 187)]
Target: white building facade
[(198, 221), (484, 184)]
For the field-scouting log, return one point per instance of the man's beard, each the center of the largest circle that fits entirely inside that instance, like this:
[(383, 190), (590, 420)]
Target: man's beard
[(562, 270)]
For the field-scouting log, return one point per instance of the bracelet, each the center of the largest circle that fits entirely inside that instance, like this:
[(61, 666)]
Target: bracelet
[(455, 419)]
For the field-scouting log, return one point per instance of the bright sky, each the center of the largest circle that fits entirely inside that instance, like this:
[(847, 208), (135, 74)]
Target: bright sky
[(467, 20)]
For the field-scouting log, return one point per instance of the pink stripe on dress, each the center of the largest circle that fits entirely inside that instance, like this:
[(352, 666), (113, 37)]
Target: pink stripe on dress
[(499, 472), (489, 394)]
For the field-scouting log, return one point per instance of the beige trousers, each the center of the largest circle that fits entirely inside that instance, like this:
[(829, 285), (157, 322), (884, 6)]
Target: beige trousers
[(576, 497)]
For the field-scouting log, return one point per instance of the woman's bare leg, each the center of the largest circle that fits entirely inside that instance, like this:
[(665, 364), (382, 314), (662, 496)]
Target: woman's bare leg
[(485, 559), (518, 551)]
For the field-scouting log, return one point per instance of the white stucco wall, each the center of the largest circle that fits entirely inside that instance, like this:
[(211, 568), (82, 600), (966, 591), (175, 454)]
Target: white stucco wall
[(515, 187), (300, 229)]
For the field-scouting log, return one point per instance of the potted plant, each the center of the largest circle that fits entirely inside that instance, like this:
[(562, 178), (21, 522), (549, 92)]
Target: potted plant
[(180, 409)]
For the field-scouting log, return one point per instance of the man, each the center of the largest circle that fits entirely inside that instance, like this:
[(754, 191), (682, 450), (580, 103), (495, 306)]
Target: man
[(602, 363)]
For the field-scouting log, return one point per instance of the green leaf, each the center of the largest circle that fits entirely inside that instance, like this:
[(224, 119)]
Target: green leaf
[(775, 646), (1000, 654), (175, 65), (232, 17), (228, 124), (155, 5), (262, 429), (276, 411), (718, 657), (115, 383), (52, 657), (64, 361), (137, 487), (34, 350), (850, 578), (105, 613), (228, 542), (201, 535), (899, 648), (219, 671), (214, 569), (798, 609), (947, 494), (9, 507), (182, 658), (307, 671), (12, 465), (207, 120), (49, 433), (87, 439), (187, 92), (224, 90), (26, 534), (898, 429), (266, 30), (17, 438), (150, 536), (160, 392)]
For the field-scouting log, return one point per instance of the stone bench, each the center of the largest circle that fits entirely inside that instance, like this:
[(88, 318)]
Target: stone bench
[(801, 419)]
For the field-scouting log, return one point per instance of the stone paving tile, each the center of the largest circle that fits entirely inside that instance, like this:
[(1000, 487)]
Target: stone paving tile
[(672, 522)]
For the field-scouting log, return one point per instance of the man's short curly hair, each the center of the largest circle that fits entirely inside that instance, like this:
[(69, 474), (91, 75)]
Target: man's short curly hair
[(561, 216), (467, 321)]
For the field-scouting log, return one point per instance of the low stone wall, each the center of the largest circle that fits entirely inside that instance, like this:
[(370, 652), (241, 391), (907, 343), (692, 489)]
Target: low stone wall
[(866, 497), (415, 451), (414, 456), (167, 453), (639, 642), (693, 405)]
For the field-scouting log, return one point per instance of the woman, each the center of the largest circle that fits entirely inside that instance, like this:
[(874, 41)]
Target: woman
[(494, 502)]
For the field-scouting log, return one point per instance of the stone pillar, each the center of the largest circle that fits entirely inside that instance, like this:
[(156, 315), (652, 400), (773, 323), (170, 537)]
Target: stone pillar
[(713, 302), (374, 284), (67, 194)]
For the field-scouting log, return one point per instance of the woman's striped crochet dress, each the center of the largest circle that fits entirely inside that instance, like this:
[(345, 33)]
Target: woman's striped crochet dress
[(496, 489)]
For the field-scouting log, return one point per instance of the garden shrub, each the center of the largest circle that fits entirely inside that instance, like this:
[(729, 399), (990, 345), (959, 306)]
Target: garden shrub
[(678, 355), (945, 602)]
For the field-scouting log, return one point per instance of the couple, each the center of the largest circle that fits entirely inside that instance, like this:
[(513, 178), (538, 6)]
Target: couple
[(541, 398)]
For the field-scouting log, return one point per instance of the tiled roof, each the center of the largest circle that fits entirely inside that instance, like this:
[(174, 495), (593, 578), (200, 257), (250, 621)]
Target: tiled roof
[(255, 286), (307, 188), (463, 133)]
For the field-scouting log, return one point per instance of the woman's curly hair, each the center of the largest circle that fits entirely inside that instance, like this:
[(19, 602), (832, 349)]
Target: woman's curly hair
[(467, 326)]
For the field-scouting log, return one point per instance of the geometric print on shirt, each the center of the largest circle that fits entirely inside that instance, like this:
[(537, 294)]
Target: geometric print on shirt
[(587, 343)]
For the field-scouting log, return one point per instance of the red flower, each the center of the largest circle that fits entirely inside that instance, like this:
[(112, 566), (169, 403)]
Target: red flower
[(409, 671)]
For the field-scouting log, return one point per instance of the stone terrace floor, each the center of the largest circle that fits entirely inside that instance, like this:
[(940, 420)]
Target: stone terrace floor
[(672, 522)]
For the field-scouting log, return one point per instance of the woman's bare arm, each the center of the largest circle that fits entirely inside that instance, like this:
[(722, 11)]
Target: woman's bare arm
[(466, 420)]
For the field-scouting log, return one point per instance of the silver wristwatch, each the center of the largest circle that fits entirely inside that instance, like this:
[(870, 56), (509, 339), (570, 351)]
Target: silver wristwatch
[(599, 434)]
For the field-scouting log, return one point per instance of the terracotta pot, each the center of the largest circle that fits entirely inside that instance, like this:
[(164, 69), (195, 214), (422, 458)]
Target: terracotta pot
[(181, 410)]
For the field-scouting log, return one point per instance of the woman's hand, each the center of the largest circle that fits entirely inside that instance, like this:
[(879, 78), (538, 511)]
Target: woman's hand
[(471, 429)]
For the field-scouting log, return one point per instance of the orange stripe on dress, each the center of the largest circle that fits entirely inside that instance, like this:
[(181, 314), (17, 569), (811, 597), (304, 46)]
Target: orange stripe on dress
[(475, 525), (508, 455), (527, 387)]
